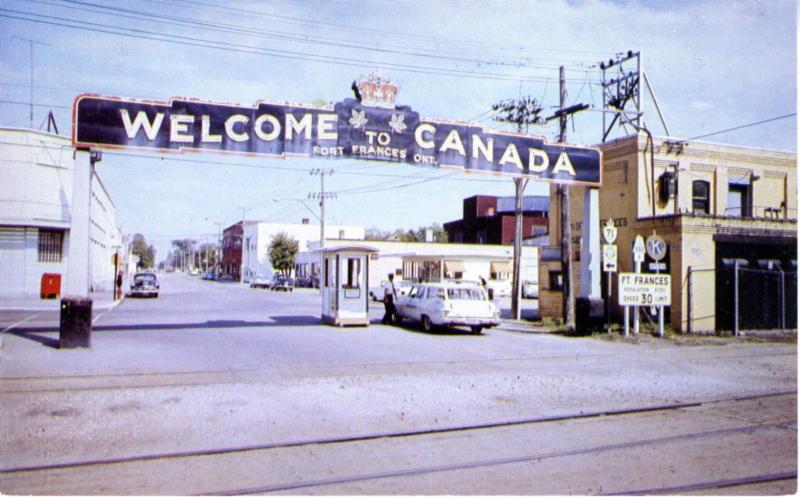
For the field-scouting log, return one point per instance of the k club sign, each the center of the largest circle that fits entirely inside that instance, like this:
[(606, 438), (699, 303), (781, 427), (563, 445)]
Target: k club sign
[(369, 127)]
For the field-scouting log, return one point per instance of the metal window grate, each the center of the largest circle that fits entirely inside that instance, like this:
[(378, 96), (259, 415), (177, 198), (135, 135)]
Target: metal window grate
[(51, 245)]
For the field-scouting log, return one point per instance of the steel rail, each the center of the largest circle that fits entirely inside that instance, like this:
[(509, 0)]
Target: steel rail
[(491, 462), (389, 434), (710, 485)]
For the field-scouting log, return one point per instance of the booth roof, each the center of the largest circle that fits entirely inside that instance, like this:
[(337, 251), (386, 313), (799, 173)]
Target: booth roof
[(347, 248)]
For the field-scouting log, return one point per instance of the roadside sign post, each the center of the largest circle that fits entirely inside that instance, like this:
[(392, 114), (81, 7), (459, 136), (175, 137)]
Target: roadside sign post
[(637, 289), (609, 263), (638, 258), (656, 248)]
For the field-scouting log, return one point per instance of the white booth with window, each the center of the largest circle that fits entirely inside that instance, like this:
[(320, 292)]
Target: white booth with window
[(344, 284)]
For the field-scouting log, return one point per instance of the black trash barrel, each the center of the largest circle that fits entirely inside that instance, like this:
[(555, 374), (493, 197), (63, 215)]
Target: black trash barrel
[(76, 323)]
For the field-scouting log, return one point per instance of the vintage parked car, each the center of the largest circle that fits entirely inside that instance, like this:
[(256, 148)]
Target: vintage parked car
[(144, 285), (260, 281), (400, 286), (282, 282), (448, 304), (209, 276), (307, 281)]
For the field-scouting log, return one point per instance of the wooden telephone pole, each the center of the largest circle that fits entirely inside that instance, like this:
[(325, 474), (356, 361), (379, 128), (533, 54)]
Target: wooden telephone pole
[(521, 112)]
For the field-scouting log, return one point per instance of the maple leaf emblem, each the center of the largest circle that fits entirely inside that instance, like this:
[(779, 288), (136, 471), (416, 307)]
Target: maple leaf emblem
[(397, 123), (359, 119)]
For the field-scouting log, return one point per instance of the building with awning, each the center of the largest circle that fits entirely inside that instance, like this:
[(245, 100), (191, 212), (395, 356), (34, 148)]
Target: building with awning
[(434, 262)]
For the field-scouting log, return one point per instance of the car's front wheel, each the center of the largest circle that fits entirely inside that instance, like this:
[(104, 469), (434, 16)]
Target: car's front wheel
[(427, 324), (476, 329)]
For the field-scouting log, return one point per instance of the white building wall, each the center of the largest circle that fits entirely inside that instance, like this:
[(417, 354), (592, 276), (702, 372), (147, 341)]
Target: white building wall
[(36, 174), (477, 259), (259, 236)]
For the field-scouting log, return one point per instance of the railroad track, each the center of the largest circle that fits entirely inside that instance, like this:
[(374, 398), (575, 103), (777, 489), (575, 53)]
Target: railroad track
[(699, 436), (91, 381)]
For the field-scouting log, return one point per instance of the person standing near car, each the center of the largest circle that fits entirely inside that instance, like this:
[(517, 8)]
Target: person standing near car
[(389, 295)]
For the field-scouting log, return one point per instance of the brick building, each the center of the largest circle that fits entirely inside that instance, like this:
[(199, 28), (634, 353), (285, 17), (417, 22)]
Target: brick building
[(490, 220)]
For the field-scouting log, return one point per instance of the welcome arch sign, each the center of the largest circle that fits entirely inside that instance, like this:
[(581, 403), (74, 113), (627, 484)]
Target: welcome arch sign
[(370, 126)]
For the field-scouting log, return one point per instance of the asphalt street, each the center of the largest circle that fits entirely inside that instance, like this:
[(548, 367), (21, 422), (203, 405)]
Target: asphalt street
[(218, 388)]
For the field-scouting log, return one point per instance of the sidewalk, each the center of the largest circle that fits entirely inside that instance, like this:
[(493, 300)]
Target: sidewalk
[(522, 326), (100, 300)]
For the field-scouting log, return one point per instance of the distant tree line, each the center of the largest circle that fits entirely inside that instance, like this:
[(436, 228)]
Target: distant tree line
[(410, 235)]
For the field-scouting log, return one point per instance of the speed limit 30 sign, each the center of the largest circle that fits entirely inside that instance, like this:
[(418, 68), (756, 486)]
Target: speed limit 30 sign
[(644, 289)]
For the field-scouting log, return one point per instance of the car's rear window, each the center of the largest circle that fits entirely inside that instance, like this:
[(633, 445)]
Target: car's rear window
[(465, 294)]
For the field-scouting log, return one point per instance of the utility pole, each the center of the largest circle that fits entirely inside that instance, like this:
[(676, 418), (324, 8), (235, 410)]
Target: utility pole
[(568, 288), (241, 262), (321, 196), (568, 292), (30, 42), (522, 113), (218, 251)]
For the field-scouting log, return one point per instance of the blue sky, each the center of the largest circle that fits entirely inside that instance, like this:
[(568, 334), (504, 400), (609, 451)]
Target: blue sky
[(713, 65)]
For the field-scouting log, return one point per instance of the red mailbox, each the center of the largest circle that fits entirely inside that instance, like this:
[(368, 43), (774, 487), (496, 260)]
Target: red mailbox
[(51, 285)]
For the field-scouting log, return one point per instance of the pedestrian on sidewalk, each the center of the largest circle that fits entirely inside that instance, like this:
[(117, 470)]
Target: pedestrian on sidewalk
[(389, 294)]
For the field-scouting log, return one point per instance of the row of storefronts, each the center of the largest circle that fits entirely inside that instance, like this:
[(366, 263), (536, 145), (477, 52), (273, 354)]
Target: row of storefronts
[(725, 212)]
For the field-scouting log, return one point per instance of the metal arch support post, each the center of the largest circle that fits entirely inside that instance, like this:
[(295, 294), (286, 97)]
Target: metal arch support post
[(519, 184), (735, 298), (77, 278), (689, 300)]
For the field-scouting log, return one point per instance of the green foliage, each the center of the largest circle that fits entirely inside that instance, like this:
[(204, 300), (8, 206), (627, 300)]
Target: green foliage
[(412, 235), (282, 252), (145, 252), (207, 255)]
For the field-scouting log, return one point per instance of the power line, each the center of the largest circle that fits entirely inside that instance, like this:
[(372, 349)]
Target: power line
[(382, 32), (16, 102), (182, 21), (748, 125), (140, 34)]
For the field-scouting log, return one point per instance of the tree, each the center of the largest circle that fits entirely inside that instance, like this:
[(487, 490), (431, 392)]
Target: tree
[(282, 252), (182, 253), (145, 252), (412, 235)]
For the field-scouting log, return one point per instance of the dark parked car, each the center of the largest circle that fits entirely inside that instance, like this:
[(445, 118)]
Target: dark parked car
[(282, 282), (307, 281), (144, 285), (209, 276)]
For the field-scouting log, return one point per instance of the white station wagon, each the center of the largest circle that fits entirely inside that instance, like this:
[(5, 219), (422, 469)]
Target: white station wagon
[(448, 304)]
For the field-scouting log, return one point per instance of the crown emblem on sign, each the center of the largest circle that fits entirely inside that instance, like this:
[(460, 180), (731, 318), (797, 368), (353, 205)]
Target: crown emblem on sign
[(376, 90)]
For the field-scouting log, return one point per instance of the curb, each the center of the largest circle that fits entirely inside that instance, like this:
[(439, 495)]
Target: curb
[(521, 327), (55, 306)]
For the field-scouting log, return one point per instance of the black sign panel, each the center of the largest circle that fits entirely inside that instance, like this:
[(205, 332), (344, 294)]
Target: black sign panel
[(350, 130)]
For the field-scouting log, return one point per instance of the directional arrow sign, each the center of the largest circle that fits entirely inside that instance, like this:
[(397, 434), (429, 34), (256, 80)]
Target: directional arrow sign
[(638, 249), (609, 258)]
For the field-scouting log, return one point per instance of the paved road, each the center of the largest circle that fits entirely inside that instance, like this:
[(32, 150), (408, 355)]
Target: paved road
[(216, 388)]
